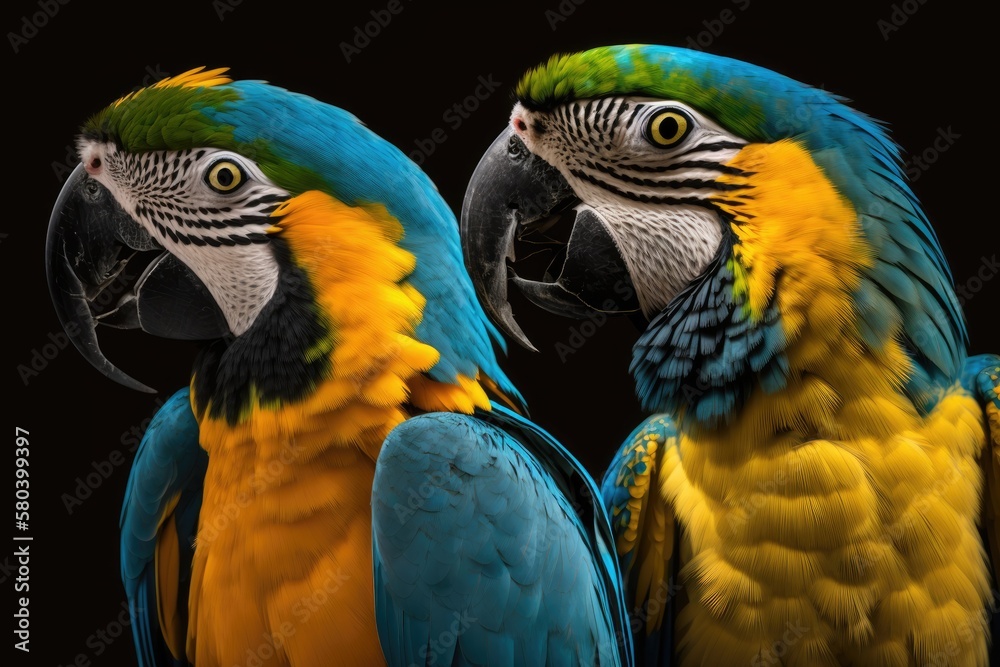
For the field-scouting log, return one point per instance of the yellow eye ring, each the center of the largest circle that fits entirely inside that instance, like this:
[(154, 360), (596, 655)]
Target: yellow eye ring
[(668, 128), (225, 176)]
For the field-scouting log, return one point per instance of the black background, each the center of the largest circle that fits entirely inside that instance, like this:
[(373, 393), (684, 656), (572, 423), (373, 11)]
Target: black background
[(920, 79)]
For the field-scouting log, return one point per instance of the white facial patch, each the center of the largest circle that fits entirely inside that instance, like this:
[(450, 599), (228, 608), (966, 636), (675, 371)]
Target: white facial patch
[(650, 168), (208, 207), (664, 251)]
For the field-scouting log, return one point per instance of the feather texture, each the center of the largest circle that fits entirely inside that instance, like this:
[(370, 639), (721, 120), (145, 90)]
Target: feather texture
[(490, 548), (372, 328), (158, 525), (829, 454)]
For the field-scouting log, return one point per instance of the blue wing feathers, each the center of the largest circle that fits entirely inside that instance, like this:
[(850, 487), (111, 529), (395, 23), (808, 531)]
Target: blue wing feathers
[(166, 476), (653, 646), (493, 509)]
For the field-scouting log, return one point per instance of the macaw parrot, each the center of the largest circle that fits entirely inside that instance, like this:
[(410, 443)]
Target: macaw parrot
[(821, 451), (335, 486)]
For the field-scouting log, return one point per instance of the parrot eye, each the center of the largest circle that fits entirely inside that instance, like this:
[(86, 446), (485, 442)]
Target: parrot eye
[(225, 176), (668, 128)]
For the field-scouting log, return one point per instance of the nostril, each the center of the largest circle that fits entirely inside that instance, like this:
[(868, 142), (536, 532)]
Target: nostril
[(519, 124), (93, 165)]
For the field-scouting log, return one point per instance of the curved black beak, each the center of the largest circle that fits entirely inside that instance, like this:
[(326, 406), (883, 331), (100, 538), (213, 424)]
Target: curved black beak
[(514, 194), (94, 262)]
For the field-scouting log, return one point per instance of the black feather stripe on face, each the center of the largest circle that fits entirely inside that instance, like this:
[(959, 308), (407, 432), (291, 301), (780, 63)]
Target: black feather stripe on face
[(271, 359), (596, 139)]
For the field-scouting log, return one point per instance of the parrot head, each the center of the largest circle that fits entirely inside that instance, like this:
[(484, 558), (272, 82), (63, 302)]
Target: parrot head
[(735, 209), (225, 211)]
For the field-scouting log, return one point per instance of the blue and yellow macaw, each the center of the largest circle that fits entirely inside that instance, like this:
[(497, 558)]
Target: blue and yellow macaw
[(822, 451), (336, 474)]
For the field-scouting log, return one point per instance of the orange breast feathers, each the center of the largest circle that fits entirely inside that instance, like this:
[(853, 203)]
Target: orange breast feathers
[(283, 556)]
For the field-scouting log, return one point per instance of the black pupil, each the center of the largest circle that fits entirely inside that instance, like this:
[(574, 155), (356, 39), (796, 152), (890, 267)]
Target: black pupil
[(669, 127), (225, 177)]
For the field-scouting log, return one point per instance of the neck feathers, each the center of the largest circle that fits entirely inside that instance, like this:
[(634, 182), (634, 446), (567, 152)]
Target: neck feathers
[(792, 307), (336, 351)]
